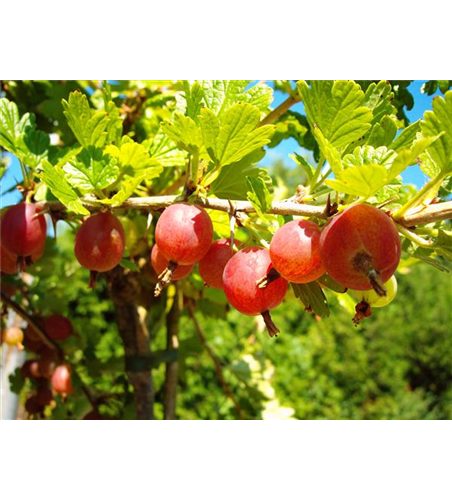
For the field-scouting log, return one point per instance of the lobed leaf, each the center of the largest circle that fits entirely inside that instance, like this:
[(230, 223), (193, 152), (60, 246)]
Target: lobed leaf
[(258, 195), (345, 119), (55, 180), (439, 122)]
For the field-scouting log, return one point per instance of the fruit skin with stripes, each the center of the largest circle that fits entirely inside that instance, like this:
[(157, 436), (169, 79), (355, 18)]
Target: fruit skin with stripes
[(211, 266), (240, 278), (295, 251), (184, 233), (360, 248), (23, 233), (99, 244)]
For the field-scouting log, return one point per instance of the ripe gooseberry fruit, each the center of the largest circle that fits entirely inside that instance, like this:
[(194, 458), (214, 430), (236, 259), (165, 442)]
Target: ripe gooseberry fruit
[(23, 232), (295, 251), (183, 234), (99, 244), (13, 336), (160, 263), (239, 284), (360, 248), (58, 327), (61, 380), (211, 266)]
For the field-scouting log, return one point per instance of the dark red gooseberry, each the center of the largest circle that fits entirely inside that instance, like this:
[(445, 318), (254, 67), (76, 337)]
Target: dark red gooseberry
[(57, 327), (44, 396), (8, 261)]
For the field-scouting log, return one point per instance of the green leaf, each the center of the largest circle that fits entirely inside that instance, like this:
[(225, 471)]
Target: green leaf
[(219, 95), (16, 381), (408, 157), (9, 124), (407, 137), (258, 195), (88, 128), (436, 122), (131, 155), (378, 99), (368, 155), (383, 133), (91, 169), (130, 265), (36, 146), (126, 190), (184, 132), (55, 180), (194, 95), (114, 125), (231, 181), (307, 168), (260, 96), (166, 152), (360, 181), (337, 109), (236, 135), (328, 281), (312, 296), (329, 152)]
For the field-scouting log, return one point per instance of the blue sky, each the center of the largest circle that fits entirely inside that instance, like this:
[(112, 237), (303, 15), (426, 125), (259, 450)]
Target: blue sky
[(413, 175)]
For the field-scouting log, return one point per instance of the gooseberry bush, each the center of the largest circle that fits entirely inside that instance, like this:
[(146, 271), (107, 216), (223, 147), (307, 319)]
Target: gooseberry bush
[(157, 190)]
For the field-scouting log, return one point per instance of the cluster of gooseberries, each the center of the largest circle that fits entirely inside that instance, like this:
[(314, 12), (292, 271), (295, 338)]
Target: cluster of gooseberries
[(359, 248)]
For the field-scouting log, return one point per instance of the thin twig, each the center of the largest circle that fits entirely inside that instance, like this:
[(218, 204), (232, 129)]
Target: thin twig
[(219, 369), (280, 110)]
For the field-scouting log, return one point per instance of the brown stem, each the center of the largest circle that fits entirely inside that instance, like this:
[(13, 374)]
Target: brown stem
[(376, 282), (124, 290), (280, 110), (93, 275), (271, 327), (172, 367), (433, 213), (218, 368)]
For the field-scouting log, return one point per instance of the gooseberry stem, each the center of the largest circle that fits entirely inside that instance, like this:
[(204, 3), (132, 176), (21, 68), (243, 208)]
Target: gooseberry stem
[(271, 327)]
